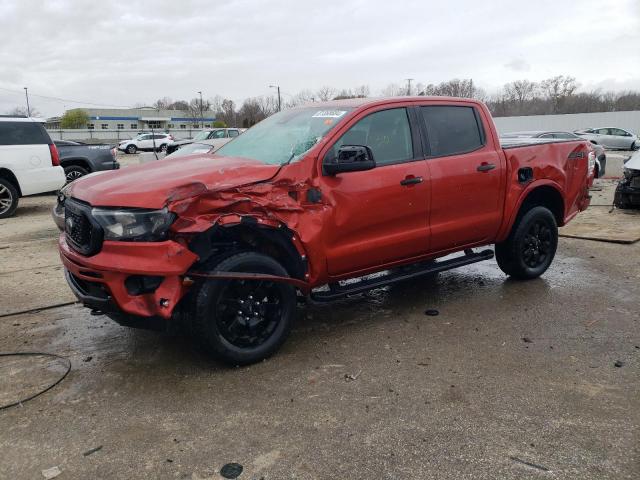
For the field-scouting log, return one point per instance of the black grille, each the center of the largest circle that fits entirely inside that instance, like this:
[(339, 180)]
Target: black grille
[(83, 235), (77, 228)]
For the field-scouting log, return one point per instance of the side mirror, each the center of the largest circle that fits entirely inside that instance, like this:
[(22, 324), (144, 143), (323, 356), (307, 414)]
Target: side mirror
[(351, 158)]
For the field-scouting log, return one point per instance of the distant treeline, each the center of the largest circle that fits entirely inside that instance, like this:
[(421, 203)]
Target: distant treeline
[(558, 94)]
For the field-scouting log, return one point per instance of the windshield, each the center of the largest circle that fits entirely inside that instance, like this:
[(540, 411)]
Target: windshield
[(202, 135), (285, 136)]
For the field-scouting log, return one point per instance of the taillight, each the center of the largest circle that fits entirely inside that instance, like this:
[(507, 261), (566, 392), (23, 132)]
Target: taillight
[(55, 156)]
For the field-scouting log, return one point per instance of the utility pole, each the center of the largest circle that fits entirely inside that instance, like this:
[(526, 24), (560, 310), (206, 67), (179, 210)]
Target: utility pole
[(201, 116), (409, 86), (279, 99), (26, 94)]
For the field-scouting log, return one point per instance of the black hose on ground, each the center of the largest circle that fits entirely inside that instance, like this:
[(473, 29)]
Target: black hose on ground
[(40, 354)]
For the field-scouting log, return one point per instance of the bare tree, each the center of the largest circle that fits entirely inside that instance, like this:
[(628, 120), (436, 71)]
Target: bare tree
[(22, 111), (326, 93), (303, 96), (163, 103), (520, 92), (557, 89), (393, 90), (361, 91), (196, 108), (227, 112)]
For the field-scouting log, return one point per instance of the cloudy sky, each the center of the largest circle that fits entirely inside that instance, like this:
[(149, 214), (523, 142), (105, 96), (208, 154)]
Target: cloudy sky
[(127, 52)]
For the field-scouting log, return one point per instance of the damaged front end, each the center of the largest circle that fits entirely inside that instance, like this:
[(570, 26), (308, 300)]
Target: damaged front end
[(627, 195)]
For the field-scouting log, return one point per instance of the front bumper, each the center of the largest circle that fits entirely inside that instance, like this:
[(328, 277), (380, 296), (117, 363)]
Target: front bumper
[(627, 193), (99, 281)]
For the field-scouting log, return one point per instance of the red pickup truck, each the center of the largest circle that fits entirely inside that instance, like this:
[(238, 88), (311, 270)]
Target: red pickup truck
[(325, 200)]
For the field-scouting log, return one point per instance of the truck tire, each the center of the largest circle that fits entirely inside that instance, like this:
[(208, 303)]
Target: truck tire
[(8, 198), (74, 172), (243, 321), (530, 247), (131, 149)]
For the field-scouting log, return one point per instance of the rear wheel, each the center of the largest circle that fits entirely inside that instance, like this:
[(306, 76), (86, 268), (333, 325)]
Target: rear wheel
[(531, 245), (8, 198), (131, 149), (74, 172), (244, 321)]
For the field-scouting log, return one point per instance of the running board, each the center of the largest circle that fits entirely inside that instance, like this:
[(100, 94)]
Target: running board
[(401, 274)]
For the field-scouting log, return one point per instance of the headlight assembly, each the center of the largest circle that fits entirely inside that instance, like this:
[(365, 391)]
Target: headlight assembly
[(134, 224)]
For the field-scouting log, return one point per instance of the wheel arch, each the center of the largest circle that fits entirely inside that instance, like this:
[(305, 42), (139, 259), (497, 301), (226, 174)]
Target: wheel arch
[(545, 194), (220, 241), (9, 175), (78, 161)]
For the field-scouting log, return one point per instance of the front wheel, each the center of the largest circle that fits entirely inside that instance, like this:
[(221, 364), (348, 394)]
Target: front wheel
[(131, 149), (634, 146), (531, 245), (244, 321)]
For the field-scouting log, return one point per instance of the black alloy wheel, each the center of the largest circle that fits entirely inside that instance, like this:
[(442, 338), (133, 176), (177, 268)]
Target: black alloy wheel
[(536, 246), (247, 312), (242, 321)]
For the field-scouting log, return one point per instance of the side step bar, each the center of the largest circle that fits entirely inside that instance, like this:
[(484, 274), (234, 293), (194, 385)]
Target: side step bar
[(401, 274)]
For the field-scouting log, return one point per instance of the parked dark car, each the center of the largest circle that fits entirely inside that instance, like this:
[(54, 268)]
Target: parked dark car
[(79, 159), (601, 156), (628, 191)]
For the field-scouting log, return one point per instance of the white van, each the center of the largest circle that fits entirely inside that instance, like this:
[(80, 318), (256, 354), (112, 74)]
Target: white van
[(29, 162)]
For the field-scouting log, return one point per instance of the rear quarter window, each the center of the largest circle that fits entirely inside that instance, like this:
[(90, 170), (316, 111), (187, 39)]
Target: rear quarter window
[(23, 133), (452, 129)]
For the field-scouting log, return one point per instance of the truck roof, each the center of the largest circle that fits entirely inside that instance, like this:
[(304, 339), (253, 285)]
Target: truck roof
[(359, 102)]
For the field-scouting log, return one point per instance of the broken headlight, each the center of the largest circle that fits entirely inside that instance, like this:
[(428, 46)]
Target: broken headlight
[(134, 224)]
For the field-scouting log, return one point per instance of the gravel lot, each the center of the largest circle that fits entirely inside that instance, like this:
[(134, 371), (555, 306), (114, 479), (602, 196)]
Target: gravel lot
[(511, 380)]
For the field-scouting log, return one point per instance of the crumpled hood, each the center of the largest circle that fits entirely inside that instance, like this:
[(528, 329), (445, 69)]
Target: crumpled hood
[(153, 184), (634, 162)]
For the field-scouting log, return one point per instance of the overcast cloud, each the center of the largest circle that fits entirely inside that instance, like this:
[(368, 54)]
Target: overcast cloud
[(128, 52)]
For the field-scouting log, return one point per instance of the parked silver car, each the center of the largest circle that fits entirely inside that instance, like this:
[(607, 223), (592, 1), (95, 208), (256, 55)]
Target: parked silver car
[(610, 137), (601, 156)]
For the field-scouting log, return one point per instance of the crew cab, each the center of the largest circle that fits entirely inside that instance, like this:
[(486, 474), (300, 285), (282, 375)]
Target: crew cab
[(29, 162), (322, 201)]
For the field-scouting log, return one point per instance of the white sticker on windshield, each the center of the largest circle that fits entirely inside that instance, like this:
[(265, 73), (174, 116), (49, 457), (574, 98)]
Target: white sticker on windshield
[(329, 113)]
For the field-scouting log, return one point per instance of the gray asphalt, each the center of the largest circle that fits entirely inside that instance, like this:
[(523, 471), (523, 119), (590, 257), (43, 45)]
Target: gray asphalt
[(511, 380)]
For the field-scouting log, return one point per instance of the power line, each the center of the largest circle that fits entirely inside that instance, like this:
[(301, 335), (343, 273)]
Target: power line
[(67, 100)]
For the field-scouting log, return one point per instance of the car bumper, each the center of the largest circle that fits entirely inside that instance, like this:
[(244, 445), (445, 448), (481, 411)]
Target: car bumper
[(41, 180), (104, 281)]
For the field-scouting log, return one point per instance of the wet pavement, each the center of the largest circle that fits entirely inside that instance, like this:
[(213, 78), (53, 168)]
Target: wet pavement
[(509, 380), (506, 371)]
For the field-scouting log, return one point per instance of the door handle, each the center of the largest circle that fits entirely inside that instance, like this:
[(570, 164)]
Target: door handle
[(410, 181), (485, 167)]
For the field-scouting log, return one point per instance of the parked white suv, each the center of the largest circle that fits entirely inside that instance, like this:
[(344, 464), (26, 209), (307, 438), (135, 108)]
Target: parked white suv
[(29, 162), (146, 142)]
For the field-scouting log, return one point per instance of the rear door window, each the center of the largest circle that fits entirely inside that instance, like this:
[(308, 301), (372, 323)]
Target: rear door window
[(618, 132), (452, 129), (22, 133)]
